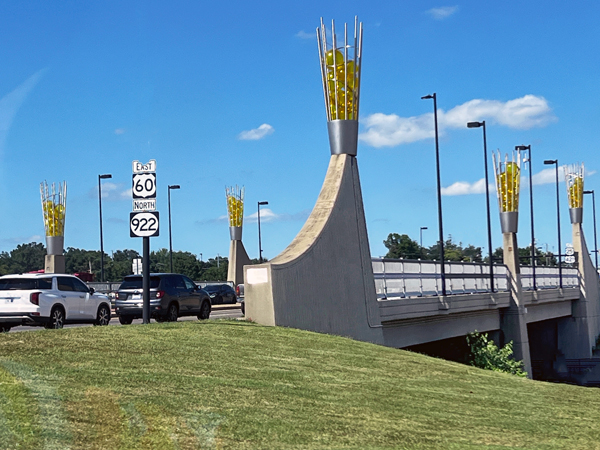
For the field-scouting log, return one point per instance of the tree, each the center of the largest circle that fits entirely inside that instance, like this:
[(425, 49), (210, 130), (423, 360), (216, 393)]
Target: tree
[(485, 354), (25, 258), (401, 246)]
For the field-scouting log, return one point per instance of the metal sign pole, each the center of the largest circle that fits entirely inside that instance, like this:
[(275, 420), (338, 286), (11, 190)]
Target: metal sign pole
[(146, 280)]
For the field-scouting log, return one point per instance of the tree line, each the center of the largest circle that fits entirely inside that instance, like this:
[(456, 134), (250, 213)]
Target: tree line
[(30, 258), (402, 246)]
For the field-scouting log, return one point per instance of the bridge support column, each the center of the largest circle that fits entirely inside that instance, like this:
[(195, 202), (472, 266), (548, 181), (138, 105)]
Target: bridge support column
[(513, 322), (577, 334)]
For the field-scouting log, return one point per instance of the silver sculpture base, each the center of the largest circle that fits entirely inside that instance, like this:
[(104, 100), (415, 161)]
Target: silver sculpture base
[(576, 215), (343, 137), (509, 221), (235, 233), (54, 245)]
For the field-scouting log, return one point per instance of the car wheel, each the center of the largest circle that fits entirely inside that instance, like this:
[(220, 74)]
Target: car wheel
[(125, 320), (57, 319), (103, 317), (160, 319), (172, 313), (204, 310), (4, 328)]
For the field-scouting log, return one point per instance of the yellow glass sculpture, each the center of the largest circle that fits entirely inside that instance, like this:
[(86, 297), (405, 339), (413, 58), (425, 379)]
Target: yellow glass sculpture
[(54, 208), (340, 68), (508, 179), (574, 175), (235, 205)]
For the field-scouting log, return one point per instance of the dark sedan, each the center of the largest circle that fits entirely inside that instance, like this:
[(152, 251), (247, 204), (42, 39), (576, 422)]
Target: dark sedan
[(221, 294)]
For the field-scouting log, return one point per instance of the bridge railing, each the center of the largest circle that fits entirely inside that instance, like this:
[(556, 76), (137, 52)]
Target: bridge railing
[(406, 278), (548, 277)]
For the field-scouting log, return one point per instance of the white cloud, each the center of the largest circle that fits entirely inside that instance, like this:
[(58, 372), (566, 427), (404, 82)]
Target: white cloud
[(257, 133), (120, 131), (11, 102), (266, 215), (526, 112), (304, 35), (465, 188), (442, 12), (111, 192), (545, 176), (24, 240)]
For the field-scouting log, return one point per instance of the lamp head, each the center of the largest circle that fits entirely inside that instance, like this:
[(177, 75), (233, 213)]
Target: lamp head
[(522, 147), (427, 97), (588, 192), (475, 124), (550, 161), (106, 175), (263, 203), (174, 186), (423, 228)]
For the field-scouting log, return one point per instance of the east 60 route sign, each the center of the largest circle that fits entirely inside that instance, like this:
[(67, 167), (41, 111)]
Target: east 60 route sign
[(143, 224)]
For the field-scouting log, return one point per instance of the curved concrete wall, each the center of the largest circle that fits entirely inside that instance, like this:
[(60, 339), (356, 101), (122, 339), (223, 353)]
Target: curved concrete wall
[(323, 281)]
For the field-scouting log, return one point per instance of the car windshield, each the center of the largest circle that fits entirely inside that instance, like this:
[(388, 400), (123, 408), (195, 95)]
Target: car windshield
[(136, 283), (25, 284)]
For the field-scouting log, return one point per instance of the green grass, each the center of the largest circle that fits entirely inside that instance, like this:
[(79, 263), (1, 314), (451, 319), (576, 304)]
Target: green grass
[(237, 385)]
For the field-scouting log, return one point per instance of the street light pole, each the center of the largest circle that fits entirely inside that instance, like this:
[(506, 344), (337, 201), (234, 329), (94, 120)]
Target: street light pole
[(555, 162), (101, 177), (594, 211), (259, 243), (174, 186), (528, 148), (421, 240), (487, 199), (439, 191)]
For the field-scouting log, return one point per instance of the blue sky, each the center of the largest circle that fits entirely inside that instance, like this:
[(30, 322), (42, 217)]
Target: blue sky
[(226, 93)]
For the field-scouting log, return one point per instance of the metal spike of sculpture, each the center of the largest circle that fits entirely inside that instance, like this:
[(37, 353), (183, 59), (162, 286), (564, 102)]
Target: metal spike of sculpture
[(323, 281), (508, 184), (238, 258), (574, 174), (54, 209)]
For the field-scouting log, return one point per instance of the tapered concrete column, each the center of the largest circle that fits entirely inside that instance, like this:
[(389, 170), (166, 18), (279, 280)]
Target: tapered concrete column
[(514, 323), (323, 281), (578, 334), (238, 258), (54, 262)]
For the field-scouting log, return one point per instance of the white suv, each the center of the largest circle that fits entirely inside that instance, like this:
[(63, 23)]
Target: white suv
[(50, 300)]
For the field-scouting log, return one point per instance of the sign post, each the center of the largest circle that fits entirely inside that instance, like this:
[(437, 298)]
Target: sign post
[(144, 220)]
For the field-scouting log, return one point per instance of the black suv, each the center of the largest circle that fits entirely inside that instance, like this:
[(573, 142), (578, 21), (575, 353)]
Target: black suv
[(220, 293), (171, 296)]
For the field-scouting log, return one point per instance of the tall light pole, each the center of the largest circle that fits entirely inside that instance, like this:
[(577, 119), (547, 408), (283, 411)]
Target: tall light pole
[(174, 186), (439, 191), (555, 162), (528, 148), (421, 240), (594, 211), (487, 199), (101, 177), (259, 243)]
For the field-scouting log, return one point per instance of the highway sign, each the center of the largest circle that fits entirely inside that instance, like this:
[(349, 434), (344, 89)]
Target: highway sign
[(138, 167), (144, 185), (144, 205), (143, 224)]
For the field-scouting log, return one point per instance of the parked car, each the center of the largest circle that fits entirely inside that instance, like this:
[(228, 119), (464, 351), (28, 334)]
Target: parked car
[(239, 290), (171, 296), (221, 294), (50, 300)]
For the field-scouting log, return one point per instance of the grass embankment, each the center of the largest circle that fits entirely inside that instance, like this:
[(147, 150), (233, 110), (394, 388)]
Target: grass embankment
[(227, 384)]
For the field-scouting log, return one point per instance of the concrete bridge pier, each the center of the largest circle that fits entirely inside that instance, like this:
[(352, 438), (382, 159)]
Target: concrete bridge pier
[(577, 334), (513, 322)]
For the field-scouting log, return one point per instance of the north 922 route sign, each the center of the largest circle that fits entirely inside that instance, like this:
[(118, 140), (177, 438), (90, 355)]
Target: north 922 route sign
[(143, 224)]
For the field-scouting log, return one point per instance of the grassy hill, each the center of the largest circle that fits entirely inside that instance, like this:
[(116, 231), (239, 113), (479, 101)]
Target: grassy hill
[(231, 384)]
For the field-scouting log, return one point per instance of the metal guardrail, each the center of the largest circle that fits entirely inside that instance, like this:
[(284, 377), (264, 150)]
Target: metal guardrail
[(407, 278)]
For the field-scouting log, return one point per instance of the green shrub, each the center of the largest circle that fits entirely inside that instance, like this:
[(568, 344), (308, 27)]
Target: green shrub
[(485, 354)]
